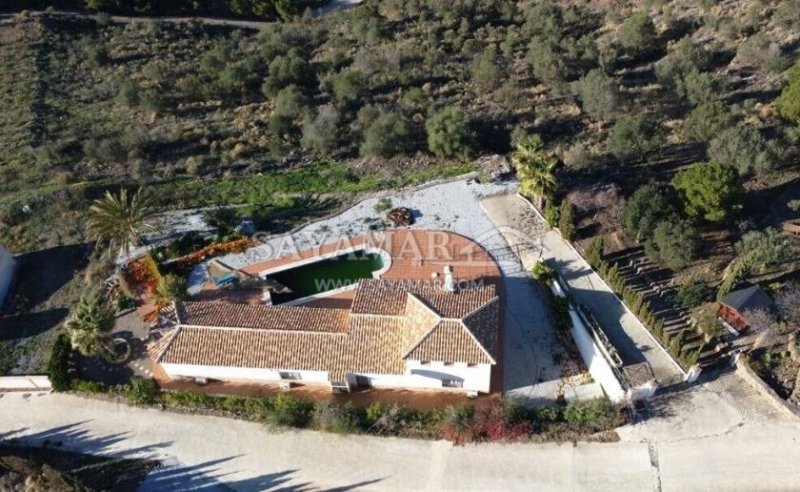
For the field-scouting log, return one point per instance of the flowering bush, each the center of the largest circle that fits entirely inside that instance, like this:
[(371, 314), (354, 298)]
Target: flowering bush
[(212, 250)]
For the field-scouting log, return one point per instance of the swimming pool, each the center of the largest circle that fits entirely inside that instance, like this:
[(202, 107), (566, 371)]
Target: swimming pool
[(326, 274)]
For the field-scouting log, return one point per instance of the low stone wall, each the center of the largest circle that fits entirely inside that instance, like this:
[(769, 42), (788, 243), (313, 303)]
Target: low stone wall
[(24, 383), (754, 380)]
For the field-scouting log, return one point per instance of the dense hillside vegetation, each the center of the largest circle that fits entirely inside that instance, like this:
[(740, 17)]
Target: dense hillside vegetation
[(398, 91)]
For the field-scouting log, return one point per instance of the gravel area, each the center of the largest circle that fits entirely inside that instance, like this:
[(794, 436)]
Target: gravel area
[(454, 206)]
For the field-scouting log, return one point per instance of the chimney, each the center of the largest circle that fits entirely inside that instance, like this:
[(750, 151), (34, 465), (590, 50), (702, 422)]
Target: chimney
[(449, 284)]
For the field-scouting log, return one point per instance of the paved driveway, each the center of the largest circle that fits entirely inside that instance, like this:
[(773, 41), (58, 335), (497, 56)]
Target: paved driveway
[(623, 329), (697, 440)]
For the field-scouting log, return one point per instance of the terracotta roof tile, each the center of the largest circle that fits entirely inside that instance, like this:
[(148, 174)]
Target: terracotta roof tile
[(449, 341), (221, 315), (388, 319)]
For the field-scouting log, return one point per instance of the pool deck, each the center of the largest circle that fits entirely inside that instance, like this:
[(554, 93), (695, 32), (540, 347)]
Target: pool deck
[(415, 255)]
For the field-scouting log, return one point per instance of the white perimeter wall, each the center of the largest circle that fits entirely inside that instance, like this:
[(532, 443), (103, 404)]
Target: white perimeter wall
[(239, 373), (591, 353), (7, 266)]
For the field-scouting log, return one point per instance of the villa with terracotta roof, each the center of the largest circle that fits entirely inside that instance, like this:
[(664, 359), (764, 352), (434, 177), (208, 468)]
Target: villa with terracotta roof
[(422, 331)]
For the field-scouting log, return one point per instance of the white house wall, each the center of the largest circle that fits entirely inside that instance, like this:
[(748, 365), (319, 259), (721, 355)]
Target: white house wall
[(430, 376), (7, 267), (239, 373)]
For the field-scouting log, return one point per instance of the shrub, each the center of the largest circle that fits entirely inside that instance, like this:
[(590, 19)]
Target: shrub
[(598, 94), (637, 34), (742, 147), (762, 52), (635, 137), (550, 214), (710, 191), (171, 287), (450, 133), (60, 370), (763, 249), (693, 294), (388, 135), (129, 93), (648, 205), (141, 391), (321, 133), (707, 120), (546, 62), (83, 386), (685, 58), (485, 70), (342, 419), (348, 87), (567, 220), (591, 415), (97, 55), (286, 70), (788, 103), (543, 272), (674, 244), (594, 251), (290, 411)]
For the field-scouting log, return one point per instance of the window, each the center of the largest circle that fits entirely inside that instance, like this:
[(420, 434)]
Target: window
[(472, 365), (448, 363), (452, 383), (291, 375)]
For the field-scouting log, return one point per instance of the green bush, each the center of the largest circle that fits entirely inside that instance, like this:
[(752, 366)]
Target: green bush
[(388, 135), (707, 120), (60, 370), (450, 133), (171, 287), (674, 244), (742, 147), (83, 386), (590, 413), (142, 391), (637, 34), (648, 205), (567, 220), (710, 191), (550, 214), (693, 294), (290, 411), (543, 272), (599, 94), (635, 137)]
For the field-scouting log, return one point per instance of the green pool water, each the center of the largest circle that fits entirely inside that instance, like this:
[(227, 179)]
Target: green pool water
[(325, 275)]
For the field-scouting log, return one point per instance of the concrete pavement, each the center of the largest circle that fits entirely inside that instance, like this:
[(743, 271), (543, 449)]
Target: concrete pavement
[(635, 344), (694, 440)]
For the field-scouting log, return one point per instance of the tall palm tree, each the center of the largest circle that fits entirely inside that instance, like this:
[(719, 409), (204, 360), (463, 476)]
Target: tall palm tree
[(535, 168), (89, 325), (120, 220)]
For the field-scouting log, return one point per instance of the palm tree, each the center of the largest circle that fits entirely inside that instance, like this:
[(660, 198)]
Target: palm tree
[(89, 325), (535, 168), (120, 220)]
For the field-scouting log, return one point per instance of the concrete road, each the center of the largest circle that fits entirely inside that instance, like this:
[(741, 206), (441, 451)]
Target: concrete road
[(696, 441), (633, 341)]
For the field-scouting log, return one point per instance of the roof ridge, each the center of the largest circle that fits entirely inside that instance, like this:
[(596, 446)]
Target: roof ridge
[(422, 339), (245, 328), (475, 339)]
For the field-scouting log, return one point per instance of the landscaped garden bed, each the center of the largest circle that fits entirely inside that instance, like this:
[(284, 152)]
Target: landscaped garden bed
[(495, 421)]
